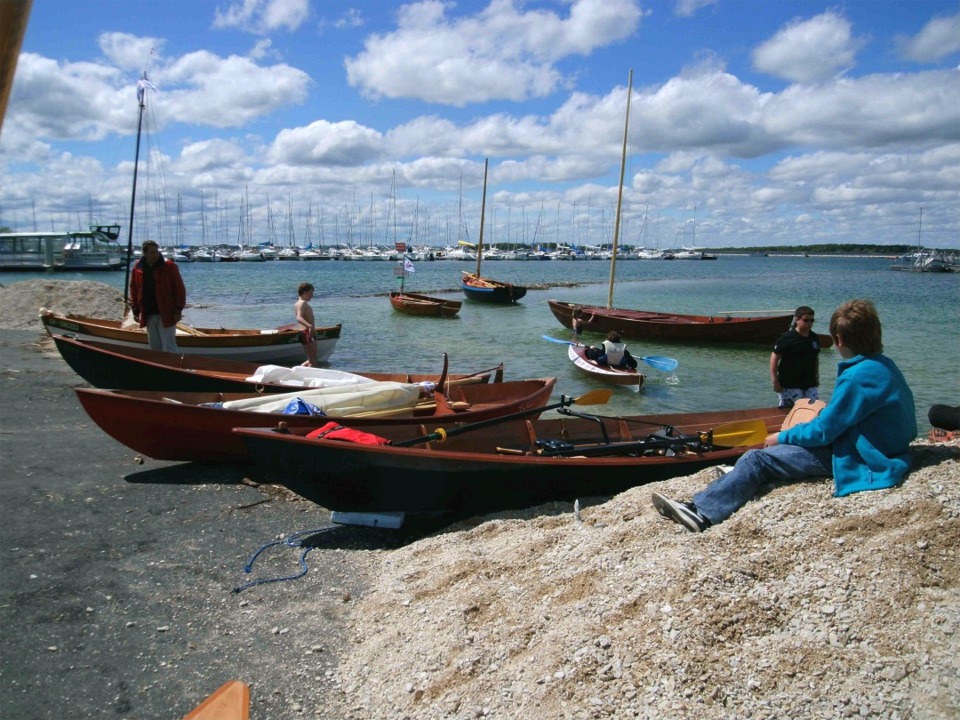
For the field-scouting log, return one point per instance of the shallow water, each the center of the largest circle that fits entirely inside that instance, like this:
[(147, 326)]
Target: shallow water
[(920, 315)]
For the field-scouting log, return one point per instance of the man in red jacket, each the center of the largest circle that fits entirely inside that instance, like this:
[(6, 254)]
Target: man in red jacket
[(157, 297)]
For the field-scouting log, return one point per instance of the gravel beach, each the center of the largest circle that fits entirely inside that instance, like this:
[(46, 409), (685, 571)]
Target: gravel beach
[(116, 588)]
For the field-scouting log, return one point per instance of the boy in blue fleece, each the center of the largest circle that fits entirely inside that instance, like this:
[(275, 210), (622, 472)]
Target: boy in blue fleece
[(862, 437)]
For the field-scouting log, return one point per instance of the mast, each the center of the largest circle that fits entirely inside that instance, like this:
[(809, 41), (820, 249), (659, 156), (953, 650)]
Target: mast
[(483, 208), (623, 167), (919, 230), (142, 86)]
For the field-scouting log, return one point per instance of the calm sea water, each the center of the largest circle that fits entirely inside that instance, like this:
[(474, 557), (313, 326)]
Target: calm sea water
[(920, 315)]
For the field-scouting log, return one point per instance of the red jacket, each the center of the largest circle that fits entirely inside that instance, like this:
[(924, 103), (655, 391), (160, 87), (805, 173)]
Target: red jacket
[(171, 292)]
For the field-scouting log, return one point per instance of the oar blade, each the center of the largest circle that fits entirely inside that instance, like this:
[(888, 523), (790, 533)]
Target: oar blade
[(666, 364), (740, 433), (593, 397), (557, 340)]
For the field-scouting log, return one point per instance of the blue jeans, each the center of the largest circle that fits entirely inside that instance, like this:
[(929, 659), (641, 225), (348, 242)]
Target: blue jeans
[(756, 468), (160, 337)]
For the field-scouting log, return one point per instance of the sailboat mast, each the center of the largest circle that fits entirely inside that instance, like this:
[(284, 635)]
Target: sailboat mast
[(141, 99), (623, 167), (483, 212), (919, 230)]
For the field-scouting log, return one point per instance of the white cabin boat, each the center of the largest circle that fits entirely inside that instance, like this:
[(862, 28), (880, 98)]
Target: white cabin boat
[(96, 249)]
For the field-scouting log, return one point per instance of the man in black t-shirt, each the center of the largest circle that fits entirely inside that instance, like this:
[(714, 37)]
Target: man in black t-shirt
[(794, 365)]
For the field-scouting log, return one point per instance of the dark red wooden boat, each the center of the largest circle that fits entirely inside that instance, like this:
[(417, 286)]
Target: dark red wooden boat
[(674, 327), (424, 305), (510, 464), (175, 426), (105, 365)]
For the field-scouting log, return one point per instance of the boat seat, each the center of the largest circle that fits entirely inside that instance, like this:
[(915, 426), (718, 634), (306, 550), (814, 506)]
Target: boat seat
[(423, 431), (528, 449), (531, 433)]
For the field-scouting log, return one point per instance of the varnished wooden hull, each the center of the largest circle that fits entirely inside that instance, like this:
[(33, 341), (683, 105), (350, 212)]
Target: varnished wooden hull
[(175, 426), (280, 346), (674, 327), (424, 305)]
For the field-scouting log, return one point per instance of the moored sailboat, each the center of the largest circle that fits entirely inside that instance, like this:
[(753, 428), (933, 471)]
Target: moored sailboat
[(488, 290)]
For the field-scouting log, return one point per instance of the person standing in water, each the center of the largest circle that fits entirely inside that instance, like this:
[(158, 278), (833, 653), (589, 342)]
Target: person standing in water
[(308, 334), (794, 362)]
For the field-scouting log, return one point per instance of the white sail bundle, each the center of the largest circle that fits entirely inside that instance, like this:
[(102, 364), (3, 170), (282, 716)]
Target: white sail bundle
[(339, 401), (312, 377)]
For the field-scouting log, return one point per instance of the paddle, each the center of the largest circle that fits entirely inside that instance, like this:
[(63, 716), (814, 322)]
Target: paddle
[(734, 434), (667, 364), (594, 397)]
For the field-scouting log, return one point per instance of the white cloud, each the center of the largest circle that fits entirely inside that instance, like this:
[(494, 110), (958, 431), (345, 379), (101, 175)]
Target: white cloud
[(809, 51), (130, 52), (208, 155), (199, 88), (209, 90), (939, 38), (44, 88), (874, 112), (689, 8), (711, 110), (324, 143), (501, 52), (352, 18), (262, 16)]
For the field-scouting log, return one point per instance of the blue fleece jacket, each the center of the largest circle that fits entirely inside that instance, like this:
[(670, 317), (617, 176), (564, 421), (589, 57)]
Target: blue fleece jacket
[(870, 421)]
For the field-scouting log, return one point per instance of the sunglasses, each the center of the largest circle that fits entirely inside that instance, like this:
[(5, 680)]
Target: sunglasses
[(807, 319)]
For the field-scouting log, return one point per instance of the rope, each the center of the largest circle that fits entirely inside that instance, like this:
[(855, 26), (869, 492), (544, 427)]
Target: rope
[(291, 541)]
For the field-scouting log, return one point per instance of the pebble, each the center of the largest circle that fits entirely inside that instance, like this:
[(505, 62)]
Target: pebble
[(775, 613)]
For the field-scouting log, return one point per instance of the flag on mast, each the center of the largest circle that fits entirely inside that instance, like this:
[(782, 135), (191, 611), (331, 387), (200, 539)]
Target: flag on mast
[(143, 85), (407, 265)]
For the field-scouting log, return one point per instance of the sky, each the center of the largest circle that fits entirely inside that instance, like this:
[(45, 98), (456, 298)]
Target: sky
[(751, 122)]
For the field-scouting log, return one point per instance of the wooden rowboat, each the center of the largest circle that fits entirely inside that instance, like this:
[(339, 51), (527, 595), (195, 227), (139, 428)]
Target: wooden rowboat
[(511, 464), (280, 346), (106, 365), (424, 305), (605, 373), (674, 327), (177, 426)]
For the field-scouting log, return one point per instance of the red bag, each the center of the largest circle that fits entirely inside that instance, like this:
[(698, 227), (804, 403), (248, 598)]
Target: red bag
[(333, 431)]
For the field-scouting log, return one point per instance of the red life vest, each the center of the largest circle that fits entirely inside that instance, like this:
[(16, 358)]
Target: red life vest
[(333, 431)]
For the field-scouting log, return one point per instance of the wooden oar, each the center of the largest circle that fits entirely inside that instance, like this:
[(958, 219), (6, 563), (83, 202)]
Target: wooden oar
[(188, 329), (230, 702), (408, 410), (666, 364), (734, 434), (594, 397)]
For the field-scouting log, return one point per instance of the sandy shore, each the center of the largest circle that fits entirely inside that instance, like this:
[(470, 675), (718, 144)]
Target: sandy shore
[(117, 602)]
